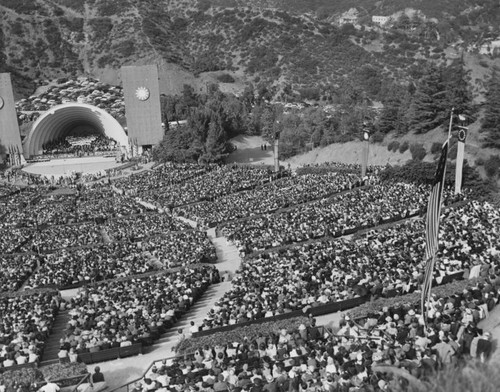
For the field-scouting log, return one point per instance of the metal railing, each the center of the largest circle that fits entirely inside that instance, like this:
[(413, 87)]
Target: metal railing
[(126, 387)]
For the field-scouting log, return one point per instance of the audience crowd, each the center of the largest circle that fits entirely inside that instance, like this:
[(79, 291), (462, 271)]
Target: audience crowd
[(25, 323), (363, 207), (180, 248), (163, 175), (16, 269), (341, 167), (103, 239), (378, 262), (51, 238), (343, 357), (13, 240), (167, 191), (85, 265), (41, 210), (102, 201), (136, 227), (122, 312), (282, 193), (79, 145)]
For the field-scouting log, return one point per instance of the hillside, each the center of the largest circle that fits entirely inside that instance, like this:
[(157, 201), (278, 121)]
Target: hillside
[(290, 47)]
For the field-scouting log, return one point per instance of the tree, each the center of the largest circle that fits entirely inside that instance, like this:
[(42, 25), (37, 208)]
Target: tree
[(3, 154), (178, 145), (403, 22), (370, 79), (270, 122), (211, 120), (459, 94), (189, 98), (248, 96), (491, 120), (391, 115), (215, 145), (430, 107)]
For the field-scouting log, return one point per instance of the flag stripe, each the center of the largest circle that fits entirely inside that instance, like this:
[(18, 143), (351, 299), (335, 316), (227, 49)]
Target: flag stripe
[(432, 224)]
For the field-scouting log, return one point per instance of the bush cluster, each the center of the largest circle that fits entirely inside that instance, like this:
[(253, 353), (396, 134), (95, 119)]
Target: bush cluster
[(418, 151), (404, 147), (393, 146), (436, 148), (225, 78), (378, 137), (240, 334), (492, 166)]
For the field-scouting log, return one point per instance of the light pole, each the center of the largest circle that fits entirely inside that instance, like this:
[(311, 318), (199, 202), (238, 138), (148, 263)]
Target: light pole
[(276, 147), (462, 135), (366, 146), (276, 152)]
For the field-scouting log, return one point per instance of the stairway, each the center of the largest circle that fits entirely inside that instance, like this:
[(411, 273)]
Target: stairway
[(52, 344), (196, 313), (228, 256), (228, 263)]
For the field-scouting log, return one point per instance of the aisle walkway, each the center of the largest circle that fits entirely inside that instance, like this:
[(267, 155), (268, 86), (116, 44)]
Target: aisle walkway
[(58, 331), (121, 371)]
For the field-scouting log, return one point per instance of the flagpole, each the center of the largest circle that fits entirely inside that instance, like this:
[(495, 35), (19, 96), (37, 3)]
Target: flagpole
[(451, 123), (432, 223), (427, 290)]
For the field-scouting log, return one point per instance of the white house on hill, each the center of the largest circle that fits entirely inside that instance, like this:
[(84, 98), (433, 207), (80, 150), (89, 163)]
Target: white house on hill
[(380, 20), (350, 16)]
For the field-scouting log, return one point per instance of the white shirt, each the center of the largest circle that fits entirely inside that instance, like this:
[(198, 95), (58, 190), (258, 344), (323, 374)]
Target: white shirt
[(50, 387)]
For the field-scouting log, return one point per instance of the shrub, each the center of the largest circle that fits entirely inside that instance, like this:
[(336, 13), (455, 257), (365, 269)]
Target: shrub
[(378, 137), (225, 78), (418, 151), (479, 161), (12, 379), (492, 165), (436, 148), (403, 147), (393, 146), (60, 371), (376, 305), (342, 138), (249, 332), (125, 48)]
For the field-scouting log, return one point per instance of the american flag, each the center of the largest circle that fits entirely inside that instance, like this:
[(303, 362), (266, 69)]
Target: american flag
[(432, 223)]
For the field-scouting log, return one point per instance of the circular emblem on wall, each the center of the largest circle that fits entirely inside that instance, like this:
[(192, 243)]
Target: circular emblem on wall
[(142, 93), (462, 135), (1, 103)]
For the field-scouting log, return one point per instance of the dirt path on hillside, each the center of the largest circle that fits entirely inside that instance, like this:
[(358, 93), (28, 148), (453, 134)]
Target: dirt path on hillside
[(249, 151)]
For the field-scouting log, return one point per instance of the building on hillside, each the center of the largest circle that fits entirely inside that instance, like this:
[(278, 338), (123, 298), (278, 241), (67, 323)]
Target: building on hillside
[(350, 16), (175, 124), (381, 20), (490, 48)]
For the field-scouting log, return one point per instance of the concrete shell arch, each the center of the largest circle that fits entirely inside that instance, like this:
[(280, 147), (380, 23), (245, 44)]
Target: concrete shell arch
[(68, 119)]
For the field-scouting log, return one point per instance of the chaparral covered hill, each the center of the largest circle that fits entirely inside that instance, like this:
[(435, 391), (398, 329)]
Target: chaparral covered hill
[(309, 49)]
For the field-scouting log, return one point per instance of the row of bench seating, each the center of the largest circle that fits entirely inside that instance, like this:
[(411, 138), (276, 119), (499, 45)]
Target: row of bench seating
[(110, 354)]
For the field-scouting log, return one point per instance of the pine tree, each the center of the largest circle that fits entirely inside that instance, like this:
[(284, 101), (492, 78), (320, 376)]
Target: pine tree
[(391, 114), (215, 144), (429, 107), (3, 154), (491, 121)]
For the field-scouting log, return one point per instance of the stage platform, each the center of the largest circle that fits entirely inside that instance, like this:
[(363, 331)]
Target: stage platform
[(68, 166)]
